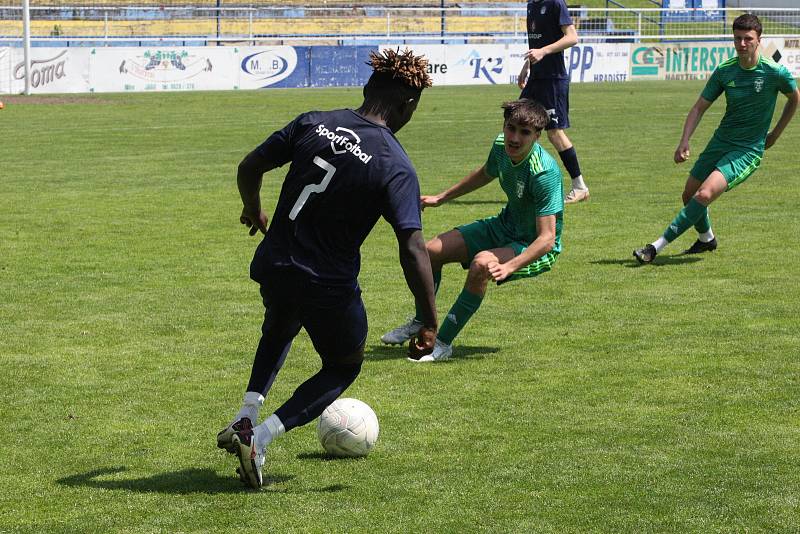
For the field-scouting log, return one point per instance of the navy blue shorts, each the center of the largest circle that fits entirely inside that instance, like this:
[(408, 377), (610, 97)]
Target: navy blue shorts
[(333, 315), (553, 94)]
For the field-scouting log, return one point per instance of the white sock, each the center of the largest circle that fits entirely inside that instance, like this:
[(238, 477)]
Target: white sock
[(251, 404), (577, 182), (705, 237), (660, 243), (267, 431)]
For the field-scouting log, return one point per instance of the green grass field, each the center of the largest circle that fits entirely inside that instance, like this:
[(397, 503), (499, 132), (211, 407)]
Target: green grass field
[(600, 397)]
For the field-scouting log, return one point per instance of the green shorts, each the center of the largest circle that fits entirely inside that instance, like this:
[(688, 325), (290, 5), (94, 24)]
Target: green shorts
[(489, 233), (735, 163)]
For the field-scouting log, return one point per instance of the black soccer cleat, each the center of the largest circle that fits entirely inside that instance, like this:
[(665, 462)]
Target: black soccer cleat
[(646, 254), (700, 246)]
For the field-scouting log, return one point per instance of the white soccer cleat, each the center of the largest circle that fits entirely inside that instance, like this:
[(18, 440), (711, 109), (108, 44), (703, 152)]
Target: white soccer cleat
[(576, 195), (251, 459), (441, 352), (402, 333), (225, 437)]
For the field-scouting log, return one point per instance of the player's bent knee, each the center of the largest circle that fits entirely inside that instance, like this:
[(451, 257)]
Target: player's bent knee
[(346, 372), (484, 258), (479, 266), (704, 197), (559, 139), (354, 359)]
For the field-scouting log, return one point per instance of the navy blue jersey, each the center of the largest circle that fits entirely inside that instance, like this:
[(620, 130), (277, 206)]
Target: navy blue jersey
[(545, 19), (346, 172)]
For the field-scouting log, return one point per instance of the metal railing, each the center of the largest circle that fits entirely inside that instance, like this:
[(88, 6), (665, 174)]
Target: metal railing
[(290, 25)]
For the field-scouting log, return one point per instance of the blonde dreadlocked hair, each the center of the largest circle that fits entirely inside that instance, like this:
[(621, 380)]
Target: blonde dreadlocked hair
[(403, 66)]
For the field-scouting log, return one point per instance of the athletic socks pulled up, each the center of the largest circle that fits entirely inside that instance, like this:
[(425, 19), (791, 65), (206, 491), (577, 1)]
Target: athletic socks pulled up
[(465, 306)]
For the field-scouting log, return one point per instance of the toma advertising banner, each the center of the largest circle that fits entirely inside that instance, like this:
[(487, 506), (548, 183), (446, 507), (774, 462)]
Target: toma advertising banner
[(5, 70), (53, 70)]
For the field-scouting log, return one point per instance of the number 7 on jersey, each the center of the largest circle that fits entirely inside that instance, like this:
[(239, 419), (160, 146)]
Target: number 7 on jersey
[(313, 188)]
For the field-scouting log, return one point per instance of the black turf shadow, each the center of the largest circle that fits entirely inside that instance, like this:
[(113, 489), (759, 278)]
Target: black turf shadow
[(659, 261), (184, 482), (324, 457), (380, 352)]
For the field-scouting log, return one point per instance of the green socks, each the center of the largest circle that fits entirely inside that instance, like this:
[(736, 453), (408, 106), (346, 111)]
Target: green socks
[(703, 224), (466, 304), (691, 213)]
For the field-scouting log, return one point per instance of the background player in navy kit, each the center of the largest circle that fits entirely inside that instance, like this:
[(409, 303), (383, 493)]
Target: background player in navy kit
[(347, 170), (550, 32)]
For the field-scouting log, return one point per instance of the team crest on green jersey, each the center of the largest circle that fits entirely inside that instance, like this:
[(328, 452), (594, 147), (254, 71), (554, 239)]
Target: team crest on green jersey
[(758, 83), (520, 189)]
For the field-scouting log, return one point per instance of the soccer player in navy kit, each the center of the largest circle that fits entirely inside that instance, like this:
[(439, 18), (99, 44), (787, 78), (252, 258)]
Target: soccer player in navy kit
[(347, 170), (550, 32)]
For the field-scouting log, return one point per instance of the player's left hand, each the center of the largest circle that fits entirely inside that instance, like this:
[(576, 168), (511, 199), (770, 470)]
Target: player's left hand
[(254, 220), (499, 271), (771, 138)]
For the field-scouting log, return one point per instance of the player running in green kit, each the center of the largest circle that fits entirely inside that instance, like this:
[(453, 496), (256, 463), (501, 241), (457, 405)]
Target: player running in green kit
[(522, 241), (751, 84)]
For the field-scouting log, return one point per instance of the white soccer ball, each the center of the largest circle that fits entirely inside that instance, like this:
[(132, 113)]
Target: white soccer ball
[(348, 428)]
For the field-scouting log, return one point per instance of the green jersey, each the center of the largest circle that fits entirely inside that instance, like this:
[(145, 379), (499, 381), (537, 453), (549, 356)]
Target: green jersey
[(533, 188), (750, 95)]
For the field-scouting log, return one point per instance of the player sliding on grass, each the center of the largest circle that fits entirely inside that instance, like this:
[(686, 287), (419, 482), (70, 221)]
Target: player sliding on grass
[(347, 170), (523, 240), (751, 84)]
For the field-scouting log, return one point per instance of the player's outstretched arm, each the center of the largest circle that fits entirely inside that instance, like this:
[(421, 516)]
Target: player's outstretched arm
[(544, 243), (789, 109), (416, 266), (689, 126), (474, 180), (248, 179)]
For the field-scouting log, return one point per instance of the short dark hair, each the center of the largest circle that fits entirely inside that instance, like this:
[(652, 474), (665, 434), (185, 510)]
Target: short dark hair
[(748, 22), (526, 112)]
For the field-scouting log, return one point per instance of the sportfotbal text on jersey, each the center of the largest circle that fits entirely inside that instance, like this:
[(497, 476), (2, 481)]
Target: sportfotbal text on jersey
[(344, 143)]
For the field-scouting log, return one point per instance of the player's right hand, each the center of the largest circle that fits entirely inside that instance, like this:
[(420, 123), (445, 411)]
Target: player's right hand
[(422, 344), (430, 201), (255, 221), (681, 153)]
